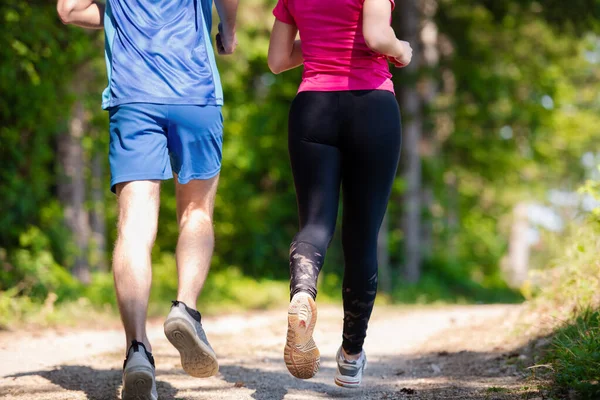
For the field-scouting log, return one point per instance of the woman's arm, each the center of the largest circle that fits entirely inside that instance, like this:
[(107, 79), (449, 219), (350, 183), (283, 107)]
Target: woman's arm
[(379, 35), (84, 13), (285, 52)]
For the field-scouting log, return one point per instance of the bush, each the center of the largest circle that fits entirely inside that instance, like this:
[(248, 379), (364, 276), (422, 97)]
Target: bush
[(32, 271), (447, 282), (570, 292)]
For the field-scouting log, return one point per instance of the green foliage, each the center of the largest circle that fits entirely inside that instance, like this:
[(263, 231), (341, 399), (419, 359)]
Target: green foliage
[(517, 101), (445, 281), (38, 55), (572, 283), (14, 308), (31, 270), (570, 292), (519, 118), (575, 355), (225, 290)]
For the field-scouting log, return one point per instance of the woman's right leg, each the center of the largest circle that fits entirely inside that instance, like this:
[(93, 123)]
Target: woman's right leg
[(316, 165)]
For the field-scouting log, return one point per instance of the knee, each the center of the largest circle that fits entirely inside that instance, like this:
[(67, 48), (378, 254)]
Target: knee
[(137, 232), (138, 213), (317, 235), (361, 277), (196, 216)]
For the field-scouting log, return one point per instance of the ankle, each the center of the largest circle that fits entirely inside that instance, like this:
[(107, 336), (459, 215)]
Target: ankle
[(302, 294), (190, 302), (350, 357), (143, 341)]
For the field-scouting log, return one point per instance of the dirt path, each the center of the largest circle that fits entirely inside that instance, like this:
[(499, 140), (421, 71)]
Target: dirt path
[(465, 352)]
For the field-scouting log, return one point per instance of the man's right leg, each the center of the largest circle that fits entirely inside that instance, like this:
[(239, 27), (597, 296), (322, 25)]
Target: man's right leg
[(132, 267)]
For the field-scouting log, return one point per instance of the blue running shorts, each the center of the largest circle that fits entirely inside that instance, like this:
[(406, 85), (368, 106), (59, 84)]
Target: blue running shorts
[(153, 141)]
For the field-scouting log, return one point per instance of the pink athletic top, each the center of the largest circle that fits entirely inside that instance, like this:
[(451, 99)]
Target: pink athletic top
[(336, 56)]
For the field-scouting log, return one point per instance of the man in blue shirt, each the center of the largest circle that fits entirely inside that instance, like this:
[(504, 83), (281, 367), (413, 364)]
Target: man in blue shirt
[(164, 98)]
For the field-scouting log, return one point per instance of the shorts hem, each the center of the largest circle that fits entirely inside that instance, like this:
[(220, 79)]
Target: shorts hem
[(211, 101), (138, 177), (198, 177)]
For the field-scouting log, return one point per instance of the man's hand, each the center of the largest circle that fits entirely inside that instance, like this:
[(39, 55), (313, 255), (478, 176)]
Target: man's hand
[(226, 40)]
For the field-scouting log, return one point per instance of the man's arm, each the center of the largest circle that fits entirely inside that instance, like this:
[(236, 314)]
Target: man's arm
[(84, 13), (226, 39)]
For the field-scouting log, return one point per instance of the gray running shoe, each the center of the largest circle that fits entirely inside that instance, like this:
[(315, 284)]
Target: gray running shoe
[(349, 373), (183, 328), (139, 382)]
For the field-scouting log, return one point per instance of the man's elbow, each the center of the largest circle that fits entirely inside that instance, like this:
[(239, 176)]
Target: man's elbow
[(65, 10)]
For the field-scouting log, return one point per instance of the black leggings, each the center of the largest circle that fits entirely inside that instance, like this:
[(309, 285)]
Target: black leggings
[(352, 139)]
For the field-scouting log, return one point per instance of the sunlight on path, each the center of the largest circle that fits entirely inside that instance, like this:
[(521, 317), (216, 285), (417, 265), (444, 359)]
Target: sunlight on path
[(249, 347)]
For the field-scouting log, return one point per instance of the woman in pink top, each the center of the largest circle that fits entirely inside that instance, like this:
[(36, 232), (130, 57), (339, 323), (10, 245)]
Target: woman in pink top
[(344, 130)]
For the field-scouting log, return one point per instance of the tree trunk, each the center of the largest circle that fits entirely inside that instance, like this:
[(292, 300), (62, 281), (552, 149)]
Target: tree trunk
[(516, 264), (408, 27), (427, 199), (452, 217), (429, 88), (71, 184), (97, 212), (383, 257)]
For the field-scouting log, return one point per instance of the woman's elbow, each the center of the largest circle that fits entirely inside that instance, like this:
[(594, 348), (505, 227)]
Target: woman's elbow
[(375, 41), (275, 65)]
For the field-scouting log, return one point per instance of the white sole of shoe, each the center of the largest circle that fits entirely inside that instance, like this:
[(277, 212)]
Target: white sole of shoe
[(137, 384), (301, 355), (346, 382), (197, 359), (349, 382)]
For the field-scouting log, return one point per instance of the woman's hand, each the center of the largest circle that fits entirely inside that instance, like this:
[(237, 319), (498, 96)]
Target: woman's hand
[(404, 55)]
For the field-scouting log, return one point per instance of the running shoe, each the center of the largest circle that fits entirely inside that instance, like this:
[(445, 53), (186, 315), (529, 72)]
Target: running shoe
[(301, 354), (183, 328), (349, 373), (139, 382)]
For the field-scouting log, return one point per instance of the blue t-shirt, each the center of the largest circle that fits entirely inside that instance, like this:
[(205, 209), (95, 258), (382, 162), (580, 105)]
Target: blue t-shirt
[(160, 52)]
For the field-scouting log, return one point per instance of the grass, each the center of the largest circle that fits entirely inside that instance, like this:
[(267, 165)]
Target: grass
[(570, 295), (17, 312), (226, 290), (575, 355), (496, 390)]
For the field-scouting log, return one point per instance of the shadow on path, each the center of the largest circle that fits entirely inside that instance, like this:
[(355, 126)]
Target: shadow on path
[(464, 375), (269, 384), (96, 384)]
